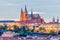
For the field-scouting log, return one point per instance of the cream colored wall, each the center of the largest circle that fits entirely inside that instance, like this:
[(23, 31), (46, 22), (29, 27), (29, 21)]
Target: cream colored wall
[(10, 24), (50, 27)]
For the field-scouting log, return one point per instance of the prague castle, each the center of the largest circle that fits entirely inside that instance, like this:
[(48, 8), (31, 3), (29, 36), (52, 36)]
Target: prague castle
[(30, 18), (33, 20)]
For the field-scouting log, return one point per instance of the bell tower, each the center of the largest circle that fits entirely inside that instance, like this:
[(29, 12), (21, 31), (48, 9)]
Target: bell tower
[(31, 13), (26, 9), (21, 15), (57, 20), (53, 20), (25, 13)]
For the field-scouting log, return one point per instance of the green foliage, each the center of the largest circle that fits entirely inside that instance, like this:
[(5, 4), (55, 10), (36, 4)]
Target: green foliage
[(5, 27), (42, 29), (52, 31), (28, 30), (33, 29), (23, 31), (16, 29), (1, 29)]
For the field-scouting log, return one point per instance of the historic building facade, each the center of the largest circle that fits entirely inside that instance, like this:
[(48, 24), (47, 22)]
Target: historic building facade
[(30, 18), (33, 20)]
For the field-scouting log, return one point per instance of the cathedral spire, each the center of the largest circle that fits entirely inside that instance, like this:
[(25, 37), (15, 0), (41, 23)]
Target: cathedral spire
[(21, 10), (57, 19), (31, 13), (21, 15), (53, 19), (38, 16), (26, 9)]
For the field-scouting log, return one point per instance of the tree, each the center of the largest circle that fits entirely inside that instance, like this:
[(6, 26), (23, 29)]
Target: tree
[(59, 32), (52, 32), (1, 30), (1, 27), (28, 30), (5, 27), (23, 31), (42, 29), (16, 29), (33, 29)]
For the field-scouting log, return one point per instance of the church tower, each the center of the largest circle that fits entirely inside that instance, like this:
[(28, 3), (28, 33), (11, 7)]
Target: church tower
[(57, 20), (21, 15), (26, 9), (25, 13), (31, 13), (53, 20)]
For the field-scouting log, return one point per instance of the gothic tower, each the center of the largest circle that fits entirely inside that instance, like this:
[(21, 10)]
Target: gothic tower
[(25, 13), (26, 9), (31, 13), (57, 20), (21, 15), (53, 20)]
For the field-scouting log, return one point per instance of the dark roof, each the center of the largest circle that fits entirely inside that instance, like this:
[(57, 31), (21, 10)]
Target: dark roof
[(34, 15), (29, 15), (7, 21)]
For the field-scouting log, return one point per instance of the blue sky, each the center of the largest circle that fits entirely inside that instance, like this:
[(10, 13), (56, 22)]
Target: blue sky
[(10, 9)]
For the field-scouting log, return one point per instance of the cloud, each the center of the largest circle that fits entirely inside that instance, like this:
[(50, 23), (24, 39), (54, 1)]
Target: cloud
[(37, 12)]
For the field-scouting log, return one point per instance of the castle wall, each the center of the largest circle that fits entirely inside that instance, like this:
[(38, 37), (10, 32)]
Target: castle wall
[(48, 27)]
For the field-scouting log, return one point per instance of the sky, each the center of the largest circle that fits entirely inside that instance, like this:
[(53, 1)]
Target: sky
[(10, 9)]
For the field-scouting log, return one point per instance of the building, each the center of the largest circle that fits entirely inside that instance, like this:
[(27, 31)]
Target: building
[(36, 20), (54, 25), (9, 34), (25, 19), (32, 20)]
